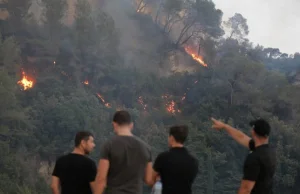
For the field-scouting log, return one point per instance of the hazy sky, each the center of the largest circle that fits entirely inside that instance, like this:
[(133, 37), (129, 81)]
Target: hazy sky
[(272, 23)]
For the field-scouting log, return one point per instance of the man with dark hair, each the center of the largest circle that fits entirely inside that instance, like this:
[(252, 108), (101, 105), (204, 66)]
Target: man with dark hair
[(75, 173), (177, 168), (260, 164), (125, 160)]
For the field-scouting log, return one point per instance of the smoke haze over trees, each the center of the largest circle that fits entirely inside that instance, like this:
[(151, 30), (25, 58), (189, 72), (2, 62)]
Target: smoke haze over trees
[(67, 66)]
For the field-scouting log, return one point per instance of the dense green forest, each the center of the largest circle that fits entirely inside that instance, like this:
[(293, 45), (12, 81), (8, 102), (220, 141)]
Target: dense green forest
[(59, 76)]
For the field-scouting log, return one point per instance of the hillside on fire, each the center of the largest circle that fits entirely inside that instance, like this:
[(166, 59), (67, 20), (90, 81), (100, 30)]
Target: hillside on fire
[(69, 65)]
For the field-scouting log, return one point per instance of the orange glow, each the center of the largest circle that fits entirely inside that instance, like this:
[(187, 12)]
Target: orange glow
[(183, 98), (170, 105), (195, 56), (26, 82), (141, 101), (102, 99), (86, 82)]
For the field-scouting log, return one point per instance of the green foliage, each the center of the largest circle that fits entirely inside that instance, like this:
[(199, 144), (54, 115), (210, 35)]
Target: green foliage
[(240, 83)]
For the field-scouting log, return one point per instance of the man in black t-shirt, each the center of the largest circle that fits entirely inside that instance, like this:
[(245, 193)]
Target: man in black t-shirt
[(177, 168), (75, 173), (260, 164)]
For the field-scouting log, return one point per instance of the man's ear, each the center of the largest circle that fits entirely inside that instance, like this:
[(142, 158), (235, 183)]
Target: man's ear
[(83, 143), (131, 125)]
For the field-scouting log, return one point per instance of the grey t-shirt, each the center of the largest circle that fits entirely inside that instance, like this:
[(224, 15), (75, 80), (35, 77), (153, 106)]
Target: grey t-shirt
[(128, 157)]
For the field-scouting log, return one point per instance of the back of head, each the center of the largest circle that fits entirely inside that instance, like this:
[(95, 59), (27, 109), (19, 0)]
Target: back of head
[(261, 128), (122, 118), (179, 132)]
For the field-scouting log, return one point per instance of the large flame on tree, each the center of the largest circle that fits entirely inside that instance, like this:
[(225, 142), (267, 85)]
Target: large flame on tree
[(195, 56), (25, 82)]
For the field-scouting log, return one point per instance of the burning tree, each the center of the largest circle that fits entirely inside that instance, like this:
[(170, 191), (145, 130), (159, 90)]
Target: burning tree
[(26, 82)]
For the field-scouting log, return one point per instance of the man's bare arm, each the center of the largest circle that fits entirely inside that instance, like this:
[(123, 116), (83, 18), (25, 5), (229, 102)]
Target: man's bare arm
[(101, 178), (93, 186), (236, 134), (148, 179), (155, 176), (246, 187), (55, 185)]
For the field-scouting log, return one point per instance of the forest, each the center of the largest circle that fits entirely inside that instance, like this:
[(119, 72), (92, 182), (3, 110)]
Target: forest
[(67, 66)]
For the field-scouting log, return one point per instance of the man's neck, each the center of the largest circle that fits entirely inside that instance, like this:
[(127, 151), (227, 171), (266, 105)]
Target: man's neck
[(177, 145), (124, 132), (259, 142), (78, 151)]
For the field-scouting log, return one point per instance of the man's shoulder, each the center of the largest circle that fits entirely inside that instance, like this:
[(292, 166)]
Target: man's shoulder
[(252, 158), (193, 157), (142, 142), (164, 154), (63, 157), (128, 138), (74, 157)]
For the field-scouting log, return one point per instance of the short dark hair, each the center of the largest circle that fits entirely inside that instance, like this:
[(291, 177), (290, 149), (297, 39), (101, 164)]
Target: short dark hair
[(82, 135), (261, 127), (179, 132), (122, 117)]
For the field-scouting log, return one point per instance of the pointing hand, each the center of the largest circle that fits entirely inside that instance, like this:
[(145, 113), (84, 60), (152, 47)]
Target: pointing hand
[(217, 124)]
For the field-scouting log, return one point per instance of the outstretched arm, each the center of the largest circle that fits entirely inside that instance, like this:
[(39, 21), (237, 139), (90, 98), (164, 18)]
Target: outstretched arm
[(236, 134)]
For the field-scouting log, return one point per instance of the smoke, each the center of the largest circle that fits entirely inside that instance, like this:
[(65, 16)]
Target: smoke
[(273, 23), (142, 43)]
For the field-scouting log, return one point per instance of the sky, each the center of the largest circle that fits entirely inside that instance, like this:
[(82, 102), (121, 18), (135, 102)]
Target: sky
[(272, 23)]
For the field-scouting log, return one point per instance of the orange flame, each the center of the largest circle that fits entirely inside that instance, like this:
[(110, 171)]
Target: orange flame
[(195, 56), (141, 101), (86, 82), (170, 105), (102, 99), (26, 82), (183, 98)]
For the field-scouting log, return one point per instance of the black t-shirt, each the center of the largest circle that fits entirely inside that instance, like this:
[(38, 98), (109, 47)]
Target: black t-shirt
[(75, 173), (177, 169), (260, 167)]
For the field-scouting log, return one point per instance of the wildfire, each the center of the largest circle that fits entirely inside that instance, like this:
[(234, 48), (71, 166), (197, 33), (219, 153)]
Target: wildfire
[(26, 82), (141, 101), (86, 82), (102, 99), (170, 105), (195, 56), (183, 98)]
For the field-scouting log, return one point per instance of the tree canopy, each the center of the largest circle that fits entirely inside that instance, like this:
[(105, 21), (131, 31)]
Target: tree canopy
[(58, 78)]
